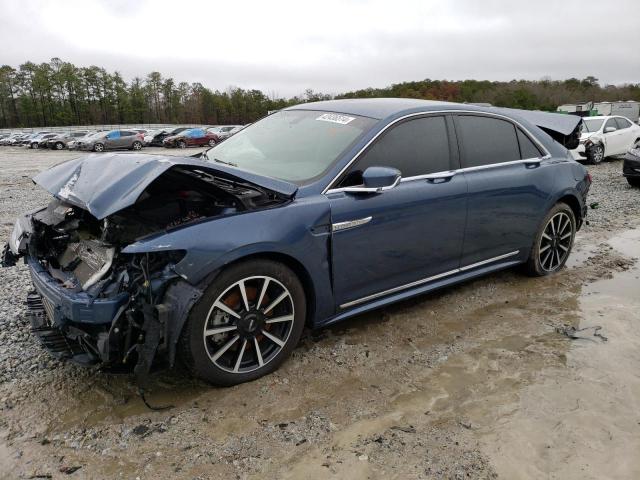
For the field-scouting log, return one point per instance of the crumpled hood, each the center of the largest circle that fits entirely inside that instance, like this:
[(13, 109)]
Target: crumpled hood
[(104, 184)]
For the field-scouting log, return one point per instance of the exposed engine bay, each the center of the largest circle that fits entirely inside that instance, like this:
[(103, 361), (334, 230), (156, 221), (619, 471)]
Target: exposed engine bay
[(112, 311)]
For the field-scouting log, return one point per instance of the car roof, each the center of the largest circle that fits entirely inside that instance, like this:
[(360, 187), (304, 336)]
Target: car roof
[(377, 108), (603, 117)]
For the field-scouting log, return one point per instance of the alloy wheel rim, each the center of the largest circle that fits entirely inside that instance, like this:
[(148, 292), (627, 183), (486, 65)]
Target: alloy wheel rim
[(555, 242), (248, 324), (598, 154)]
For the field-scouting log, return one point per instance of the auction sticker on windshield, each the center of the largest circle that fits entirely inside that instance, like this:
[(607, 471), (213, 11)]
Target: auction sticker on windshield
[(335, 118)]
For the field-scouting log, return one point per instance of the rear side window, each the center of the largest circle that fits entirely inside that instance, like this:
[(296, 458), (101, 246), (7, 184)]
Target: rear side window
[(527, 147), (487, 140), (415, 147), (127, 133), (622, 123)]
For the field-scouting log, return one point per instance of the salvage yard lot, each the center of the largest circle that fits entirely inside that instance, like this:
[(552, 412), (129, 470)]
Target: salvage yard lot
[(470, 382)]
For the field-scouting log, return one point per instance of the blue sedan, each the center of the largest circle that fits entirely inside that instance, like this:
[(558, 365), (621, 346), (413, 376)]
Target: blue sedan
[(309, 216)]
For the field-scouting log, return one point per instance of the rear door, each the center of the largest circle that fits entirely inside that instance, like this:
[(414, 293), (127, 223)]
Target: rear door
[(410, 233), (509, 186)]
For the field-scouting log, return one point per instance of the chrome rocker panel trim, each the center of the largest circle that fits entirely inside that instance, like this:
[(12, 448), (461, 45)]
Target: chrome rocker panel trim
[(427, 280)]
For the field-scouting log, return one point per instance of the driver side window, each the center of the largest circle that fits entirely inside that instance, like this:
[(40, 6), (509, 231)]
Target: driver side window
[(415, 147), (610, 123)]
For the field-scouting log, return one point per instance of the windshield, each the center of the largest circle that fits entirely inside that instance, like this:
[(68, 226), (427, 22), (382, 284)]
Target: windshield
[(593, 124), (293, 145)]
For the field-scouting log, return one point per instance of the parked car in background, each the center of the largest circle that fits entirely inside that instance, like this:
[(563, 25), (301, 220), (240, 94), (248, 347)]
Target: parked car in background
[(12, 138), (225, 131), (316, 213), (73, 144), (605, 136), (631, 167), (193, 137), (148, 137), (60, 141), (158, 138), (40, 141), (111, 140)]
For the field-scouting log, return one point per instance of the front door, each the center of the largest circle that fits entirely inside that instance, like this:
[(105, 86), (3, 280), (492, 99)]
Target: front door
[(390, 240)]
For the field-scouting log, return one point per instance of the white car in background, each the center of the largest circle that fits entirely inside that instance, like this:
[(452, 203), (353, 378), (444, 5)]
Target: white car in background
[(225, 131), (606, 136)]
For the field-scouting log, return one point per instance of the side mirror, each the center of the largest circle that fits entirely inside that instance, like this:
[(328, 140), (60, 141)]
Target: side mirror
[(610, 129), (377, 179)]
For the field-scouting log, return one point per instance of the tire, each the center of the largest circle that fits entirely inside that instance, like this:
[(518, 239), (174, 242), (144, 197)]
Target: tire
[(35, 146), (634, 181), (212, 143), (182, 144), (260, 345), (98, 147), (595, 154), (553, 242), (136, 145), (59, 145)]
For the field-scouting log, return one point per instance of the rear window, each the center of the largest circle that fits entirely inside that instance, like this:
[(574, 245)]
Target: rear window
[(487, 140)]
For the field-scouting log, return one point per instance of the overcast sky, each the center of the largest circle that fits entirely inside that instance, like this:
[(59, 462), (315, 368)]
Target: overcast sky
[(285, 47)]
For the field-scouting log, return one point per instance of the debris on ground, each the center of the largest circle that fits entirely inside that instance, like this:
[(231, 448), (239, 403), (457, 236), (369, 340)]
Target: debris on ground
[(573, 333)]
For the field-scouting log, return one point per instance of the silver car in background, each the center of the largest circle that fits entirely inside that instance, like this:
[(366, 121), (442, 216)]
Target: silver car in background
[(112, 140)]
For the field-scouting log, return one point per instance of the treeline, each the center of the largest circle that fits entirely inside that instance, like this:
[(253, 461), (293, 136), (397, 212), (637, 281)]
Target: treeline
[(59, 93)]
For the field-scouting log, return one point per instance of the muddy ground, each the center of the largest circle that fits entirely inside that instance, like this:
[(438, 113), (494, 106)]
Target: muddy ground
[(472, 382)]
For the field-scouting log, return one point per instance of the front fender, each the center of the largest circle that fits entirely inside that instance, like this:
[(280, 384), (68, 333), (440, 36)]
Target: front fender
[(299, 230)]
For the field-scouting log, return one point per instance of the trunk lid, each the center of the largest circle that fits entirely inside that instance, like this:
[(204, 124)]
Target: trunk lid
[(104, 184)]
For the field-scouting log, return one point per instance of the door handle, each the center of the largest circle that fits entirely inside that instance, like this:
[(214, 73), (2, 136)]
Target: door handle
[(532, 162), (439, 177)]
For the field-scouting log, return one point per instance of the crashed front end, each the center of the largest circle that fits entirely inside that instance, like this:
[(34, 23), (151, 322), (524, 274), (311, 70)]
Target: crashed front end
[(94, 304)]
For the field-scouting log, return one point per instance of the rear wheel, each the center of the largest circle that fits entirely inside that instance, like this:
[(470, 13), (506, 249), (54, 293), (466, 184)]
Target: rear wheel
[(595, 154), (35, 145), (59, 145), (553, 242), (212, 142), (98, 147), (245, 325), (136, 145), (634, 181)]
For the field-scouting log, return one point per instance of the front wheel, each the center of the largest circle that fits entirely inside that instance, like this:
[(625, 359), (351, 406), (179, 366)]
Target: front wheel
[(35, 145), (246, 324), (182, 144), (595, 154), (212, 143), (59, 145), (634, 181), (553, 242)]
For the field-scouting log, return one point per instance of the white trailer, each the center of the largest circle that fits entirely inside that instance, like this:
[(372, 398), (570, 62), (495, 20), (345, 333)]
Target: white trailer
[(581, 109), (630, 109)]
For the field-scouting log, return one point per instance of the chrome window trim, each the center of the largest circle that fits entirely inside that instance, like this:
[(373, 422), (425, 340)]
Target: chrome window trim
[(532, 137), (427, 280)]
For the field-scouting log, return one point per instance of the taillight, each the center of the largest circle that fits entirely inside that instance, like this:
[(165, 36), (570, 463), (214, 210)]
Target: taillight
[(588, 177)]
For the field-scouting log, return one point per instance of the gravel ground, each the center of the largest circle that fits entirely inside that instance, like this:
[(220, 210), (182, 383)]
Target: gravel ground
[(423, 389)]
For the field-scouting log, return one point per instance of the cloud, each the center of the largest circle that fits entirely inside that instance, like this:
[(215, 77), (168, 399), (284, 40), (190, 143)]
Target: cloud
[(331, 46)]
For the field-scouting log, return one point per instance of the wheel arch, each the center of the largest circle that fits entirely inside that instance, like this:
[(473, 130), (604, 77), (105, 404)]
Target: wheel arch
[(291, 262), (571, 199)]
